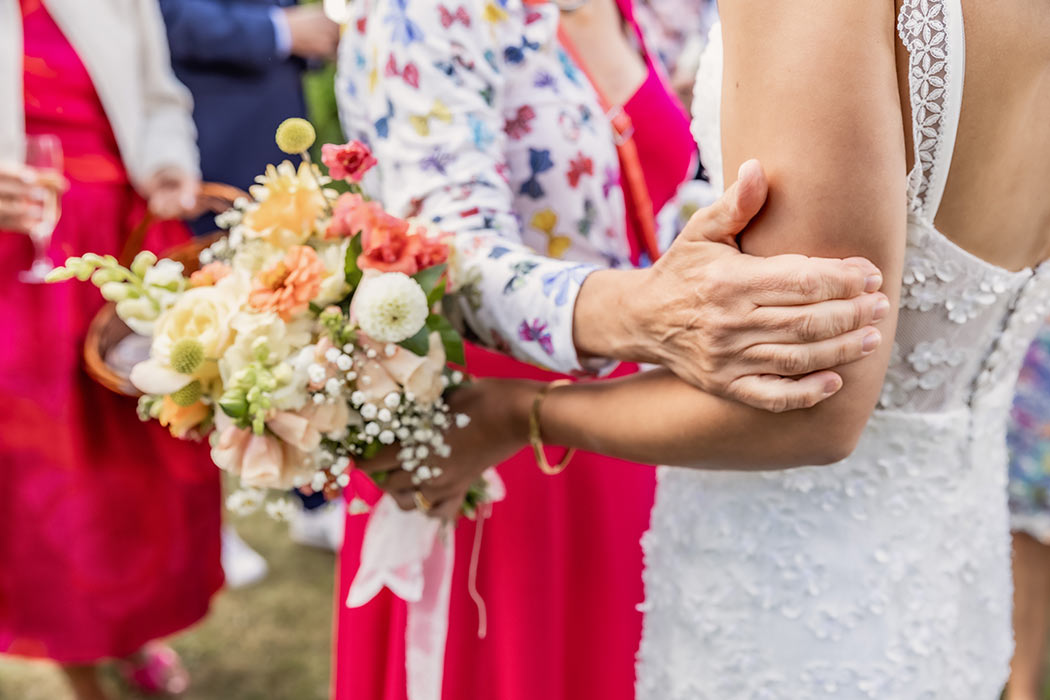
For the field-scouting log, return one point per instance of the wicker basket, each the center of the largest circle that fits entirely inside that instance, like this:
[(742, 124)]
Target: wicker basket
[(107, 330)]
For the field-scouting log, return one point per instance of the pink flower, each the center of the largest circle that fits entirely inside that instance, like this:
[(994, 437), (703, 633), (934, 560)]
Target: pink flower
[(352, 215), (347, 162)]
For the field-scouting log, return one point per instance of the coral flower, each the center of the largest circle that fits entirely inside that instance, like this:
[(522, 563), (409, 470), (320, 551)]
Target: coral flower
[(387, 247), (288, 287), (208, 275), (352, 215)]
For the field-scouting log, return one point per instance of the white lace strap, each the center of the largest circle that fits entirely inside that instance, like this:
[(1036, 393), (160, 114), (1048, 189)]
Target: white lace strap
[(933, 32)]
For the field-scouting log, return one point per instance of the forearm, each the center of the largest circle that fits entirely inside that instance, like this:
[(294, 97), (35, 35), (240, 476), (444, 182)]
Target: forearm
[(656, 418)]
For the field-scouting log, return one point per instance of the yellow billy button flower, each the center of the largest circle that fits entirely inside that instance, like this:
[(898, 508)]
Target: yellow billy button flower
[(187, 395), (187, 355), (295, 135)]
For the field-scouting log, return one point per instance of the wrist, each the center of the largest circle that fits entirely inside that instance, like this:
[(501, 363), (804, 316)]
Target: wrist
[(608, 319), (514, 404)]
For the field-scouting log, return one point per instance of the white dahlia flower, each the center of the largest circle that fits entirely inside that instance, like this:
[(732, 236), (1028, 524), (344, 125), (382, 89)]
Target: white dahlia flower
[(390, 307)]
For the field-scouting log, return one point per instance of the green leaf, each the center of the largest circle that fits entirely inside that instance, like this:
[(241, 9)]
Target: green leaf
[(419, 343), (353, 272), (450, 338), (436, 294), (430, 278)]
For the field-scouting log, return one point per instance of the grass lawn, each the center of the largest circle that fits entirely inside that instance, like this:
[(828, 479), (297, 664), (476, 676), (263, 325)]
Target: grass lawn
[(268, 642)]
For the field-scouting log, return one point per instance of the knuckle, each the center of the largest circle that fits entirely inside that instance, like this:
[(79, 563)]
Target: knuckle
[(810, 327), (793, 360), (808, 284), (858, 314)]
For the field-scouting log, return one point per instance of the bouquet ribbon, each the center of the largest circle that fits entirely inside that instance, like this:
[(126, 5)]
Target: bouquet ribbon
[(413, 555)]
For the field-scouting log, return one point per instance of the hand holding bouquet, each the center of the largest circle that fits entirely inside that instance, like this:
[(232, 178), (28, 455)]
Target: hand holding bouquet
[(307, 340)]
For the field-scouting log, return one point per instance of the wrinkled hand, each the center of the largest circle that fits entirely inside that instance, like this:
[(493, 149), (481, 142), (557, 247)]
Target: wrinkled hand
[(172, 194), (756, 326), (498, 409), (762, 331), (313, 34), (20, 201)]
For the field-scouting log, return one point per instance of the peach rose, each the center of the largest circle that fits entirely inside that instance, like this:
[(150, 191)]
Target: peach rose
[(403, 371), (288, 287), (180, 420), (261, 461)]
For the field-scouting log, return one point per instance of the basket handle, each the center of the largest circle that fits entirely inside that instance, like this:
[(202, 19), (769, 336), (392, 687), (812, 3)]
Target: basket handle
[(213, 196)]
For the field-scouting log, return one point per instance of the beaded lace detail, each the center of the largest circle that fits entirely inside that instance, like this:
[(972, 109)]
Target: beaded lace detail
[(887, 574), (923, 29)]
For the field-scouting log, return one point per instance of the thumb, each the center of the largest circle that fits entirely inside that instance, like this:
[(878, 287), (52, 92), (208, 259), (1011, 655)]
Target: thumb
[(722, 221)]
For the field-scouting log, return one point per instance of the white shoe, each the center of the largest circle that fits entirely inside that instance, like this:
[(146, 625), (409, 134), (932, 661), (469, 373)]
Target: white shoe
[(321, 527), (242, 564)]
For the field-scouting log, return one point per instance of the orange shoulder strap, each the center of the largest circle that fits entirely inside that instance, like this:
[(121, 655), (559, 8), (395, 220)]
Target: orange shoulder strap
[(631, 174)]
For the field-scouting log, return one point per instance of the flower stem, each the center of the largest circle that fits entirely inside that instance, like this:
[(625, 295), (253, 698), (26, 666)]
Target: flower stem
[(313, 173)]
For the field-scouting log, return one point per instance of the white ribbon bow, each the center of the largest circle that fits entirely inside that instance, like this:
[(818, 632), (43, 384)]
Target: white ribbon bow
[(413, 555)]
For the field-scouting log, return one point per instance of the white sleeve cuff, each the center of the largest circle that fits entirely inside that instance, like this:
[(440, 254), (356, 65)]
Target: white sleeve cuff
[(282, 32)]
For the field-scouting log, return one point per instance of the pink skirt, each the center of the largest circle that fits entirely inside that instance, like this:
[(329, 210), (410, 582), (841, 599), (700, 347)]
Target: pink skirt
[(109, 528), (560, 573)]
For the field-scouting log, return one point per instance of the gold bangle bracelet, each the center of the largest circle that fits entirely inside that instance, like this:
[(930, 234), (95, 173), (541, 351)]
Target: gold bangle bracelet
[(537, 440)]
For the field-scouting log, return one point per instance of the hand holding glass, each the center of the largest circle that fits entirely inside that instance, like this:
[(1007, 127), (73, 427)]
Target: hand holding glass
[(43, 154)]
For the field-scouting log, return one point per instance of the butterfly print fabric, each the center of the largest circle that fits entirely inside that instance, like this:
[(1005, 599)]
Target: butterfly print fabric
[(483, 124)]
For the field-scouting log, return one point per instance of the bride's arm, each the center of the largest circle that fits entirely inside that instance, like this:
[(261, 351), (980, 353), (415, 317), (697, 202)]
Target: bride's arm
[(810, 88)]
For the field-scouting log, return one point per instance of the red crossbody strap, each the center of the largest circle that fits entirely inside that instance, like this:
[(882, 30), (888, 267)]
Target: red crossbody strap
[(631, 174)]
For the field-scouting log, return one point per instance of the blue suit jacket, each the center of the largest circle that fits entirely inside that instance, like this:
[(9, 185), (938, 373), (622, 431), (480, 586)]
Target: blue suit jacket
[(225, 52)]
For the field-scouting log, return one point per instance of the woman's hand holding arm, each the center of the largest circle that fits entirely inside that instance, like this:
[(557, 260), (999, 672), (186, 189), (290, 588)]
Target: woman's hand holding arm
[(722, 320), (822, 111)]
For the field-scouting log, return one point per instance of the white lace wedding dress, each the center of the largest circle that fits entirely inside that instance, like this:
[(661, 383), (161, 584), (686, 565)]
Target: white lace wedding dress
[(886, 575)]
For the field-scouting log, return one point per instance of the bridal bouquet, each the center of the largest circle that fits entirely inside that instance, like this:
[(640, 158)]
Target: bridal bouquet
[(308, 339)]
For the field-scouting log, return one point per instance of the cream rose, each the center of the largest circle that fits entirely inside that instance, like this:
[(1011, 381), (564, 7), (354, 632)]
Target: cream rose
[(202, 314)]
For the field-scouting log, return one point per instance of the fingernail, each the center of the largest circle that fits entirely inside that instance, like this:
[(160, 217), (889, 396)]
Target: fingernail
[(832, 385), (881, 309), (744, 167), (871, 341), (872, 283)]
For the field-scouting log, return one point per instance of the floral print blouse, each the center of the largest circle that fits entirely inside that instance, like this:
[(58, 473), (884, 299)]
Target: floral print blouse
[(483, 124)]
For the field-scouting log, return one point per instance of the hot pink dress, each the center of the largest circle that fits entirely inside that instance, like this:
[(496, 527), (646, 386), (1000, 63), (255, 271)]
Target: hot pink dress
[(109, 528), (561, 561)]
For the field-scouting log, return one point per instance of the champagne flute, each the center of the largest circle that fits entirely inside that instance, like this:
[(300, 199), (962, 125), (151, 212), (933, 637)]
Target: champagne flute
[(44, 154)]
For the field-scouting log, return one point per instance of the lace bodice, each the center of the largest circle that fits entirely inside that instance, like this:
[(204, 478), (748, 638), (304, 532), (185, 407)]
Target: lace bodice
[(885, 575)]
